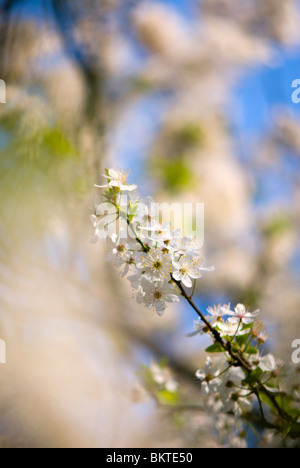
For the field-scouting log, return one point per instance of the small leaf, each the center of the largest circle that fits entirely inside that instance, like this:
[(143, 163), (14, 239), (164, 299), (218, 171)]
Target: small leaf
[(252, 350), (286, 430), (254, 377), (242, 340), (215, 348), (167, 398)]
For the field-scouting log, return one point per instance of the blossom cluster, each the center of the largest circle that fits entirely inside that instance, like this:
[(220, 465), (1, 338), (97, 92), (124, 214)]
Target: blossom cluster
[(238, 380), (230, 391), (152, 255)]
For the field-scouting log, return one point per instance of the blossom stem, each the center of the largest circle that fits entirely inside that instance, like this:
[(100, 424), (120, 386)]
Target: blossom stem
[(280, 411), (248, 343), (238, 327), (222, 373), (260, 406), (131, 226), (194, 289), (144, 247)]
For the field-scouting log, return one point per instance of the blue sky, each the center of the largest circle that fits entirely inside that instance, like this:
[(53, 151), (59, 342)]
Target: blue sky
[(264, 87), (186, 7)]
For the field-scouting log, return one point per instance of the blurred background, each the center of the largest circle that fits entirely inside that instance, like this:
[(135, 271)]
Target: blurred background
[(194, 97)]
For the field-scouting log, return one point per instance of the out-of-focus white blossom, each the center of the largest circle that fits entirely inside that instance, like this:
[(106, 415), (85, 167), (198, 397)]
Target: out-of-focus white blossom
[(117, 179), (208, 378), (199, 328), (186, 246), (163, 376), (268, 363), (230, 329), (259, 333)]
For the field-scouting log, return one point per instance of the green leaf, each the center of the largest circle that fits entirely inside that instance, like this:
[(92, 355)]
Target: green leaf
[(265, 399), (167, 398), (254, 377), (175, 173), (133, 209), (58, 144), (215, 348), (242, 340), (189, 135), (295, 429), (252, 350), (277, 226)]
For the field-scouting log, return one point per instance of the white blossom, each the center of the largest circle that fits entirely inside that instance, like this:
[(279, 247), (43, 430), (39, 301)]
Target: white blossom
[(147, 212), (163, 376), (238, 442), (155, 265), (187, 268), (230, 329), (238, 402), (117, 179), (156, 295), (199, 328), (241, 315), (259, 333), (217, 312), (186, 246), (234, 397), (232, 378), (161, 235), (158, 259), (123, 254), (152, 253), (208, 378), (268, 363)]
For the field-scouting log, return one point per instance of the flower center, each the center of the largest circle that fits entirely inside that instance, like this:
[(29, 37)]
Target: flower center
[(241, 315), (157, 295), (122, 177), (235, 397), (229, 384), (157, 265), (121, 248)]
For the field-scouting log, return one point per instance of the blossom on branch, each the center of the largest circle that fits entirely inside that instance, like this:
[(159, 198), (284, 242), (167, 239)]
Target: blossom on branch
[(188, 269), (240, 314), (160, 263), (117, 179)]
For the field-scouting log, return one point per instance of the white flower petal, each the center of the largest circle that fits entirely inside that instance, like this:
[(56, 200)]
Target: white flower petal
[(186, 280)]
